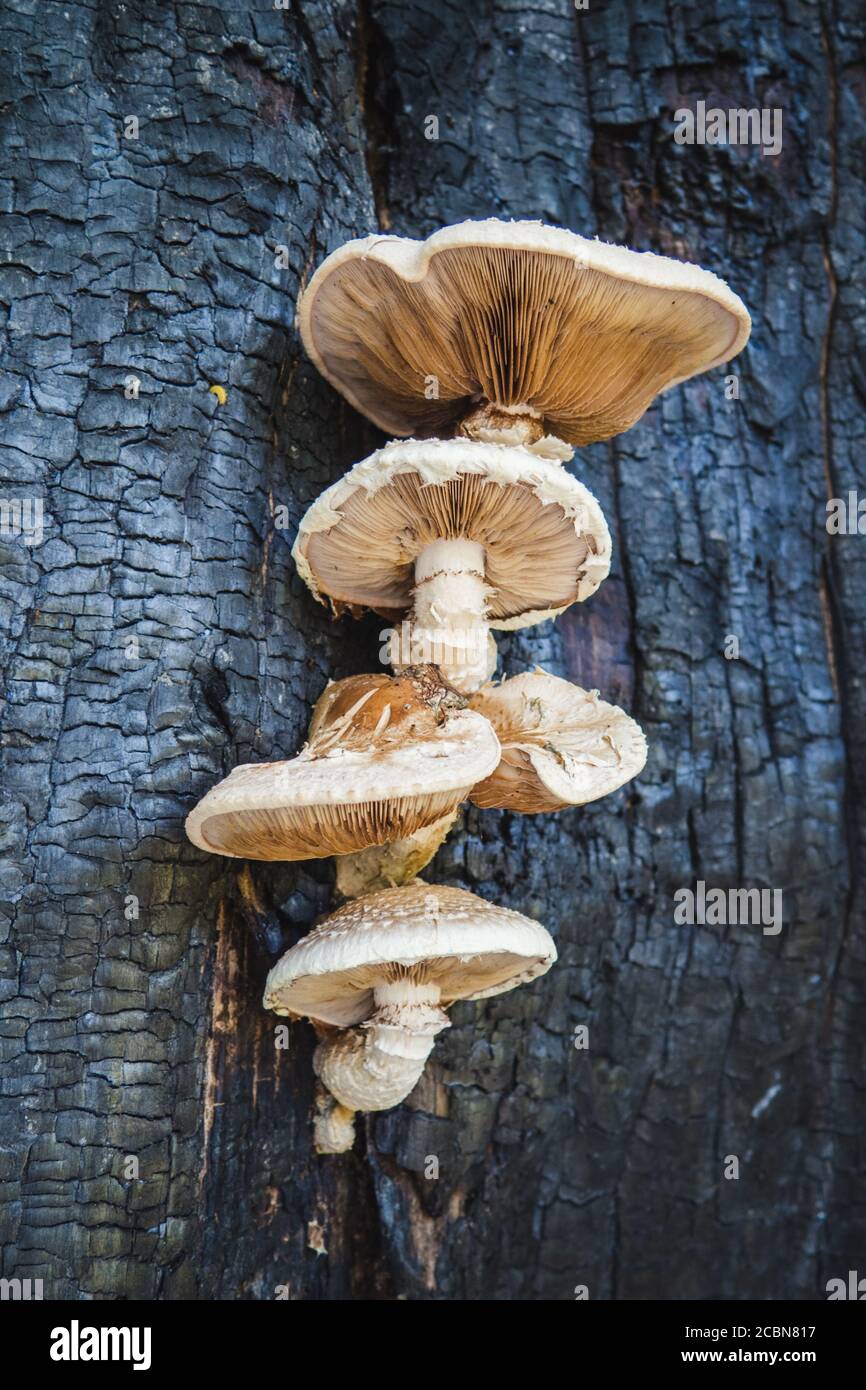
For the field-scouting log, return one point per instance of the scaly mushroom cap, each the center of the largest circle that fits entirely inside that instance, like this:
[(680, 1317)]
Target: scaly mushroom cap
[(561, 745), (579, 334), (387, 756), (422, 934), (545, 539)]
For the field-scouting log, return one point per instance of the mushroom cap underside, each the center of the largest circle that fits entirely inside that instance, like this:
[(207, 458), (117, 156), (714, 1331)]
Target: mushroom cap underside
[(585, 334), (345, 800), (546, 543), (442, 936)]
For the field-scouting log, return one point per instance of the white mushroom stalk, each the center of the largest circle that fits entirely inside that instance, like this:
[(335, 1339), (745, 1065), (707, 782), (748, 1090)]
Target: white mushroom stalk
[(393, 864), (449, 626), (491, 423), (375, 1067)]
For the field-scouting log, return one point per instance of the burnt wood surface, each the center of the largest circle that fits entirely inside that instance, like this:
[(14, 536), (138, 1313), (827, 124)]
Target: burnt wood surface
[(160, 635)]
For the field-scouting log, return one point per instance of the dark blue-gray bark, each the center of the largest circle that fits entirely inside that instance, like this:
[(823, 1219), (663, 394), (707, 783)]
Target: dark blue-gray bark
[(159, 635)]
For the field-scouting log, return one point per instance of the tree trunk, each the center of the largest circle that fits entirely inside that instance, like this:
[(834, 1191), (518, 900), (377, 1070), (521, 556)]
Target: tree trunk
[(154, 1141)]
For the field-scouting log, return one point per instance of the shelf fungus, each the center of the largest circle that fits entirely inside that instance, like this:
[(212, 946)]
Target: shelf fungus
[(387, 756), (512, 332), (448, 539), (383, 970), (561, 745)]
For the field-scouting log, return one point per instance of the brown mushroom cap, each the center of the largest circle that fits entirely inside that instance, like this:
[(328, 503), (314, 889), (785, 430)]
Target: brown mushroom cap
[(561, 745), (517, 314), (546, 543), (387, 756), (467, 947), (353, 710)]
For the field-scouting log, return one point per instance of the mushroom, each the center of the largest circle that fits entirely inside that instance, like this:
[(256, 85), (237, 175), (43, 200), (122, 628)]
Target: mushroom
[(457, 537), (512, 332), (389, 866), (392, 963), (561, 745), (387, 756), (333, 1125)]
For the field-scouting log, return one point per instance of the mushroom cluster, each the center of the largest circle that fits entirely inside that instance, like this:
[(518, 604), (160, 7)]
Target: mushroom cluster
[(491, 349)]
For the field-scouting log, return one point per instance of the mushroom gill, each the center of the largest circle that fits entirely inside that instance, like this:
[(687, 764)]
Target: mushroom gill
[(510, 523), (304, 832), (574, 337)]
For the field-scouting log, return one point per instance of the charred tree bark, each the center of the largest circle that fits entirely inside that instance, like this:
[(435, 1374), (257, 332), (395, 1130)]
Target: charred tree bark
[(174, 173)]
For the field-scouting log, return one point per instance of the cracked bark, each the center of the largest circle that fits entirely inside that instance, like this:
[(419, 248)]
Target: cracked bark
[(144, 1038)]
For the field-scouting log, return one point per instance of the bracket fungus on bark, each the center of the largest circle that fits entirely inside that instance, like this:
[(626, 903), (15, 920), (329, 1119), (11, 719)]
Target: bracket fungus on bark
[(456, 537), (387, 756), (561, 745), (512, 331), (385, 968)]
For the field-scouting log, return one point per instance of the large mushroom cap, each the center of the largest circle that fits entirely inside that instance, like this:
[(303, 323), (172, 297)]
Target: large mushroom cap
[(416, 333), (445, 937), (545, 539), (387, 756), (561, 745)]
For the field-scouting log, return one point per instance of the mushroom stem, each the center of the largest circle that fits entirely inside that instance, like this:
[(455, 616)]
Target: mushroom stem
[(390, 865), (520, 425), (334, 1125), (449, 620), (374, 1067), (502, 424)]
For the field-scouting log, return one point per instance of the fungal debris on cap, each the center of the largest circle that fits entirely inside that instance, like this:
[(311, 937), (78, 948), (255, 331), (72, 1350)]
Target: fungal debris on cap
[(561, 745)]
